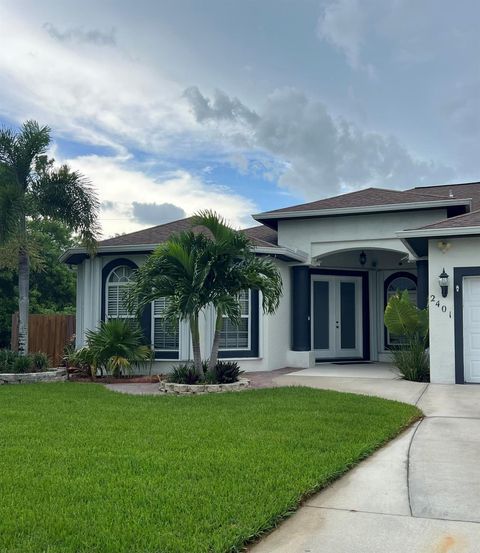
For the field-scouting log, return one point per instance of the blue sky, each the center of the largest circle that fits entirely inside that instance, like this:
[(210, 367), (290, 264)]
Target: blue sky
[(176, 105)]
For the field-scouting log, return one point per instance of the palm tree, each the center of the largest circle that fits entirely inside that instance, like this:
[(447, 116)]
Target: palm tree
[(31, 187), (194, 270), (235, 268)]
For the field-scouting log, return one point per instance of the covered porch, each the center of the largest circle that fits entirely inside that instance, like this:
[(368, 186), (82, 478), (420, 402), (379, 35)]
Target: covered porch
[(338, 303)]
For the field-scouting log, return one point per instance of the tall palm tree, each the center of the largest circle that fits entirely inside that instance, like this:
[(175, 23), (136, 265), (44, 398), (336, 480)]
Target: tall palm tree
[(32, 187), (196, 269), (234, 269)]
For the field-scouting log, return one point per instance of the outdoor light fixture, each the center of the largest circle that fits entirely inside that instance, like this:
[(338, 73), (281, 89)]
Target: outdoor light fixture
[(362, 258), (443, 281)]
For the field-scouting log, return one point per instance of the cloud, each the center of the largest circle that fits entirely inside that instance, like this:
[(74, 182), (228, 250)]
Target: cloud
[(342, 24), (317, 154), (81, 35), (156, 214), (120, 186), (220, 108)]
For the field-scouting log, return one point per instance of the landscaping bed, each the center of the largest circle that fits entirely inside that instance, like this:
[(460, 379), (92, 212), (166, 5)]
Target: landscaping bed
[(51, 375), (85, 470)]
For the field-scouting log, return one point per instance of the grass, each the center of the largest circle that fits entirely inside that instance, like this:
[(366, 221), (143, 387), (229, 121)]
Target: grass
[(86, 470)]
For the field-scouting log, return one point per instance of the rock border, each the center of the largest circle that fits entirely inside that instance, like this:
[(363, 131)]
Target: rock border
[(53, 375), (188, 389)]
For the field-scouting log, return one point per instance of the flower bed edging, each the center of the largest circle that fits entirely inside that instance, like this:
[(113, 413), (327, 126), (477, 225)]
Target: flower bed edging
[(183, 389), (53, 375)]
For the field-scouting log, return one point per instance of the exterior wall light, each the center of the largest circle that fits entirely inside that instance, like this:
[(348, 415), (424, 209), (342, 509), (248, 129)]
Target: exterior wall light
[(362, 258), (443, 281)]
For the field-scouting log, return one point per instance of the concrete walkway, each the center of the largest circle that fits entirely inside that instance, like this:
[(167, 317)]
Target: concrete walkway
[(419, 494)]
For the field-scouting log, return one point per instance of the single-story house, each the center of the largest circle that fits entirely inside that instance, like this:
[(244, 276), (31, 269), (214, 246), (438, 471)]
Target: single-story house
[(340, 258)]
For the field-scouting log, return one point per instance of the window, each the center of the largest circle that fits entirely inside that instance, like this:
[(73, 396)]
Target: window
[(398, 283), (165, 333), (237, 337), (117, 283)]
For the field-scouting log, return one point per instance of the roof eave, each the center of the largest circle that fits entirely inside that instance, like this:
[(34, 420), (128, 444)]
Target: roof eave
[(267, 217)]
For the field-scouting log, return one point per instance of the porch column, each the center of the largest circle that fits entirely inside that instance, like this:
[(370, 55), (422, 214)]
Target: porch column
[(300, 308), (422, 283)]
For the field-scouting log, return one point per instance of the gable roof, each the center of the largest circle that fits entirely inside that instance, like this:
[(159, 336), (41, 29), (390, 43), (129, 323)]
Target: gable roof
[(259, 235), (466, 220), (362, 201)]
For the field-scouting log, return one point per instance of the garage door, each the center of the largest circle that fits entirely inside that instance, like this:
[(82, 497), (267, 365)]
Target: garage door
[(471, 328)]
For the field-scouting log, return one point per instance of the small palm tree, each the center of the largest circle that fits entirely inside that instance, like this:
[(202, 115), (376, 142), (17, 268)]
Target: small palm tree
[(31, 187), (116, 346), (196, 269)]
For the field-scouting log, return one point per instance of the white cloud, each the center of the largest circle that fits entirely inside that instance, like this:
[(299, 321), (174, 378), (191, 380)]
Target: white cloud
[(120, 186)]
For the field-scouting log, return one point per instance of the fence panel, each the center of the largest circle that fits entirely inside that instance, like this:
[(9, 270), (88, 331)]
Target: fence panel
[(46, 333)]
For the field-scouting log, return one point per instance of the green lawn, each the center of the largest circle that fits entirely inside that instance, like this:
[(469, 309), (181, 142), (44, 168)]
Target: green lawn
[(86, 470)]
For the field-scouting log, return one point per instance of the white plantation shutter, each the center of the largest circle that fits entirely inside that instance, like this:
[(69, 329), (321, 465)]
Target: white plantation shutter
[(237, 337), (165, 334), (117, 283)]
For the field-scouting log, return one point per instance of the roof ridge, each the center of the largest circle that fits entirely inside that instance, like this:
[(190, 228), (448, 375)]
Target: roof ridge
[(441, 185), (146, 228)]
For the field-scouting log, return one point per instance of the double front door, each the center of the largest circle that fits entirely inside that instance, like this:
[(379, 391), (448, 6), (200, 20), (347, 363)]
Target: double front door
[(337, 317)]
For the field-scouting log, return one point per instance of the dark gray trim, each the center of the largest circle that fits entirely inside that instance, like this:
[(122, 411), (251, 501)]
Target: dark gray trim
[(300, 305), (458, 274), (254, 333), (422, 283), (365, 302)]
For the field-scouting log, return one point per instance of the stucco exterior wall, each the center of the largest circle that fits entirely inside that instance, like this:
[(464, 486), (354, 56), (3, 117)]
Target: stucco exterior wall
[(463, 252), (274, 330), (329, 234)]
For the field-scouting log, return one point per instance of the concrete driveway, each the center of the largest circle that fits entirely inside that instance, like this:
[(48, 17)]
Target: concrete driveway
[(419, 494)]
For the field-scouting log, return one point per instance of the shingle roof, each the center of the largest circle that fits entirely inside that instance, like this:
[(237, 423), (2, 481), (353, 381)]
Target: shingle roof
[(259, 235), (454, 191), (362, 198)]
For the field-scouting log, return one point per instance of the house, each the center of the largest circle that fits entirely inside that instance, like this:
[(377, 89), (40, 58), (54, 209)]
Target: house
[(340, 258)]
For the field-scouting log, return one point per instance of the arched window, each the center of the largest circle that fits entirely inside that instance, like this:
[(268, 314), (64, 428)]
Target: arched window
[(117, 283), (398, 282)]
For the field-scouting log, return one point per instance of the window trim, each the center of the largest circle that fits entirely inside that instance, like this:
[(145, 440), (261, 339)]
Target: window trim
[(386, 284), (145, 318), (253, 349)]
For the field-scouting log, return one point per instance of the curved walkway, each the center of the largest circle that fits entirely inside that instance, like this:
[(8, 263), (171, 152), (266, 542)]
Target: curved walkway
[(419, 494)]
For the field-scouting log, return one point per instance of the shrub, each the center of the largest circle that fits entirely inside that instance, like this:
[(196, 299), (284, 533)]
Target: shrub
[(7, 360), (184, 374), (40, 361), (80, 362), (116, 346), (404, 319), (22, 364), (226, 372)]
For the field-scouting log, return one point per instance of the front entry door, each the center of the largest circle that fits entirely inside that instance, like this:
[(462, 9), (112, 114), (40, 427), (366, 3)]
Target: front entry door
[(337, 317), (471, 328)]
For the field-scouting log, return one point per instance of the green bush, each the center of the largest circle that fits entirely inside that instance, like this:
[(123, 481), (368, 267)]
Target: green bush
[(225, 372), (12, 362), (405, 319), (23, 364), (40, 361), (184, 374)]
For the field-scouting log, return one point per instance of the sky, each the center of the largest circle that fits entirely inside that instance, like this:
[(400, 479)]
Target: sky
[(172, 106)]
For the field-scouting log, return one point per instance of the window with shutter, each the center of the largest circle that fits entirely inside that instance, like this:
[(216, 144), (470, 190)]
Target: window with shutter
[(165, 333), (117, 283), (237, 337)]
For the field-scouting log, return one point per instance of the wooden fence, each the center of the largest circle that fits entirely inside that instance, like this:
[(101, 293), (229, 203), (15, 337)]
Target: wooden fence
[(46, 333)]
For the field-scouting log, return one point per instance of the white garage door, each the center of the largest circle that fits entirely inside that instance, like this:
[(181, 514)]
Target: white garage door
[(471, 328)]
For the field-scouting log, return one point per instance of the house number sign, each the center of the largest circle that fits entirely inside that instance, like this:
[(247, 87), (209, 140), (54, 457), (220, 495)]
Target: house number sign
[(443, 308)]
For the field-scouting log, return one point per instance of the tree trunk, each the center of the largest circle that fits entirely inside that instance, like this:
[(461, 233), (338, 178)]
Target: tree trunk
[(23, 299), (197, 354), (216, 341)]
